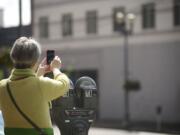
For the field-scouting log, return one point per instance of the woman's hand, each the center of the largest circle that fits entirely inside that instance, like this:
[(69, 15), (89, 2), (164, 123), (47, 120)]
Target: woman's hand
[(56, 66), (56, 63), (43, 68)]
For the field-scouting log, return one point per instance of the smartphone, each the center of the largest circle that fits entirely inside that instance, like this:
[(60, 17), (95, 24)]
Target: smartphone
[(50, 54)]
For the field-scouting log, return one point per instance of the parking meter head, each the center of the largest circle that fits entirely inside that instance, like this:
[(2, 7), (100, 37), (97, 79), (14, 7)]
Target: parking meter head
[(85, 88), (70, 93), (83, 85), (67, 100), (71, 85)]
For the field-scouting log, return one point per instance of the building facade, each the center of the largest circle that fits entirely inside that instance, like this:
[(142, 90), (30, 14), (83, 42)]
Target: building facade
[(82, 33)]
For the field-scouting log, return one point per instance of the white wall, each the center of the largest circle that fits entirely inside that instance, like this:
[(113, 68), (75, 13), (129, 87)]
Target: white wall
[(164, 17), (157, 67)]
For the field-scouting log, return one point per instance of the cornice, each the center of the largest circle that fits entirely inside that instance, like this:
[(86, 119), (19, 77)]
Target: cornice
[(62, 2)]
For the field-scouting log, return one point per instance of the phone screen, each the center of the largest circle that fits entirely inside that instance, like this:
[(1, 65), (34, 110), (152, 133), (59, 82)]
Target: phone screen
[(50, 56)]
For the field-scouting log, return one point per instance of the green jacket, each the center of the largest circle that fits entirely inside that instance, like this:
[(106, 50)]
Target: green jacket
[(33, 95)]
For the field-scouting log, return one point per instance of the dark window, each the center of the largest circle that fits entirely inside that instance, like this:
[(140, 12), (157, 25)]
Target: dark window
[(148, 15), (118, 24), (43, 27), (176, 12), (91, 22), (67, 25)]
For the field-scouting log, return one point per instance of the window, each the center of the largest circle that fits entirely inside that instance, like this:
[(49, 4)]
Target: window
[(67, 25), (43, 27), (148, 15), (91, 22), (176, 12), (118, 25)]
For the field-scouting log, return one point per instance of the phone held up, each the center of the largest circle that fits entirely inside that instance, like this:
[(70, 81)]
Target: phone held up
[(50, 54)]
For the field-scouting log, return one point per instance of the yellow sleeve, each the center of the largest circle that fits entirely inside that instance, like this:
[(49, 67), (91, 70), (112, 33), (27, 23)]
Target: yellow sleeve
[(54, 88)]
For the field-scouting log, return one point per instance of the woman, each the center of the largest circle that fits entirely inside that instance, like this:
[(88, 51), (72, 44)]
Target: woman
[(31, 90)]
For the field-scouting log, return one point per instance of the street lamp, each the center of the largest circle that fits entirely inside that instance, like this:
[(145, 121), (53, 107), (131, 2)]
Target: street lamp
[(124, 24), (120, 17), (131, 18)]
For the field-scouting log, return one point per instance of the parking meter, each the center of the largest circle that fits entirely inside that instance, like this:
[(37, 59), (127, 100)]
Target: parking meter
[(86, 93), (60, 105), (76, 117), (67, 101)]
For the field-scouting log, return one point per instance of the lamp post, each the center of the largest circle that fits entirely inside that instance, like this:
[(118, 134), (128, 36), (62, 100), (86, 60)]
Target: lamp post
[(32, 17), (124, 24), (20, 18)]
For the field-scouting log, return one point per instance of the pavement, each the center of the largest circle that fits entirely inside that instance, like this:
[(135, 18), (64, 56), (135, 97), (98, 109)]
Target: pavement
[(104, 131), (152, 127)]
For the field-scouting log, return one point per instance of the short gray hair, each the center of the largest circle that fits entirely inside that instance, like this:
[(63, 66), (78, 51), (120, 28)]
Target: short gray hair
[(25, 52)]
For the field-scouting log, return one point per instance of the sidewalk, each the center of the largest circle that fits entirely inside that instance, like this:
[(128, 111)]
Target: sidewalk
[(104, 131), (140, 126)]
